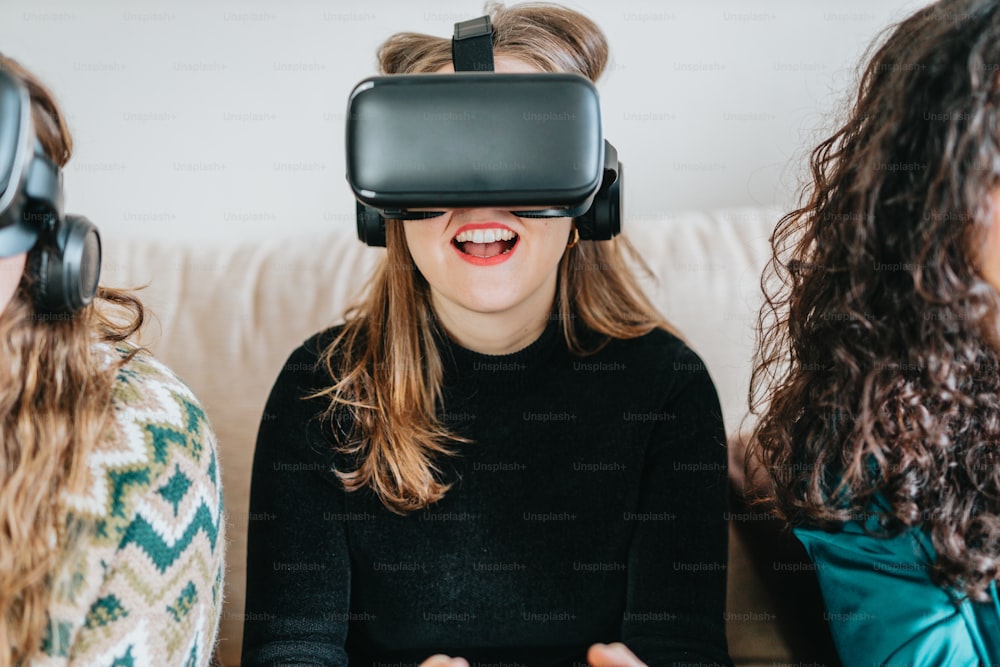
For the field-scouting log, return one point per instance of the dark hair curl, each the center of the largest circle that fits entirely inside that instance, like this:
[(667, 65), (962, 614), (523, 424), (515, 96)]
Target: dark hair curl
[(876, 374)]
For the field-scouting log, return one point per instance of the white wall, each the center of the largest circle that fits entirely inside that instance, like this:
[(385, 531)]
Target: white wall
[(225, 119)]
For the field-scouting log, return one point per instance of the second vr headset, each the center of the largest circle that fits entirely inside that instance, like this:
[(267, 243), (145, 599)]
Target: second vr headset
[(528, 143), (64, 251)]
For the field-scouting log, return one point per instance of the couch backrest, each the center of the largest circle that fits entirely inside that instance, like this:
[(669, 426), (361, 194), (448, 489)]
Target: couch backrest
[(228, 316)]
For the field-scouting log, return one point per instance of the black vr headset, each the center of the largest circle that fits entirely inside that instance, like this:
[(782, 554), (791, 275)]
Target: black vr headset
[(65, 259), (528, 143)]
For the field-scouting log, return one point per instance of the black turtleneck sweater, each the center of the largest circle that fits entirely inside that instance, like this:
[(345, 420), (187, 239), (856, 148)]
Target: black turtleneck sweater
[(590, 508)]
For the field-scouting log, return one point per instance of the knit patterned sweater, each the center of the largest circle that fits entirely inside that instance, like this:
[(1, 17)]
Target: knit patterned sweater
[(145, 585)]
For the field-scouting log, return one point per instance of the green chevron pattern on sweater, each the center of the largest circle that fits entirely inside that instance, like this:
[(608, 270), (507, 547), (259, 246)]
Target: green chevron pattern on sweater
[(144, 584), (106, 610)]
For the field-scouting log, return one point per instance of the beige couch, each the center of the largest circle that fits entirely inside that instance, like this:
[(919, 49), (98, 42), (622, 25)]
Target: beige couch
[(227, 317)]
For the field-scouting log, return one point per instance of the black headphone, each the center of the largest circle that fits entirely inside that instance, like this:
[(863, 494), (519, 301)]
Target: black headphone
[(472, 51), (64, 252)]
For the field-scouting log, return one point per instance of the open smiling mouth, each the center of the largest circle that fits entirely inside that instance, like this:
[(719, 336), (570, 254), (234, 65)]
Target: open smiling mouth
[(485, 243)]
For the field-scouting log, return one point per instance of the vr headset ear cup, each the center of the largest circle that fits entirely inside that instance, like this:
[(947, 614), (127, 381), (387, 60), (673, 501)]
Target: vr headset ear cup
[(371, 226), (66, 266), (603, 220)]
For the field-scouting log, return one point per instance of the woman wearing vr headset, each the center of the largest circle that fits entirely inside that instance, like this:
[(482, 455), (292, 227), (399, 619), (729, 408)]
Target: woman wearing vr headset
[(878, 368), (504, 456), (111, 541)]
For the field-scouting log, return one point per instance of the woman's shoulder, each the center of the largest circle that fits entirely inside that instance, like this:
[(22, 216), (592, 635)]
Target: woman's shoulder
[(303, 371), (660, 352), (144, 382), (658, 345), (863, 541), (151, 405), (315, 346)]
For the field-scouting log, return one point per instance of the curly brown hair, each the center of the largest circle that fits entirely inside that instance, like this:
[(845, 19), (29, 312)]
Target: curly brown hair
[(876, 375)]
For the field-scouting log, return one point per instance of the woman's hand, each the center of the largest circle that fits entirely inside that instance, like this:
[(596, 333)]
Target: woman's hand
[(612, 655), (441, 660), (599, 655)]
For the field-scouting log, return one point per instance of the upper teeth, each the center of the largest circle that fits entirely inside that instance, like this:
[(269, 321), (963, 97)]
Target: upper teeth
[(485, 235)]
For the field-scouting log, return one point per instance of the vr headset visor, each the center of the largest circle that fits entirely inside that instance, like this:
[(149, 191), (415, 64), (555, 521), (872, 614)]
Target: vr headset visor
[(30, 184), (530, 143)]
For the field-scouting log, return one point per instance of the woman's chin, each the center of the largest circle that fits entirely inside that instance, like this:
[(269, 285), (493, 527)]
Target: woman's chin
[(487, 304)]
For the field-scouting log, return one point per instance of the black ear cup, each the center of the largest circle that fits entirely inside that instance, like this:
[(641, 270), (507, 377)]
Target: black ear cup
[(371, 226), (603, 220), (66, 266)]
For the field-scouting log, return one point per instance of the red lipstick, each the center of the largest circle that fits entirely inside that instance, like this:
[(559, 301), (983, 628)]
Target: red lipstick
[(478, 260)]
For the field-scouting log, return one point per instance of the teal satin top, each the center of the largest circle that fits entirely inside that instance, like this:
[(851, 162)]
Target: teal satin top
[(883, 608)]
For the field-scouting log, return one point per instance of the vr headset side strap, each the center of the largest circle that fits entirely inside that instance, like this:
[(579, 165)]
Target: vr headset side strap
[(472, 45)]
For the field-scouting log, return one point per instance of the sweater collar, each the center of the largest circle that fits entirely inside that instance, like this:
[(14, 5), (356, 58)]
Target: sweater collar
[(498, 371)]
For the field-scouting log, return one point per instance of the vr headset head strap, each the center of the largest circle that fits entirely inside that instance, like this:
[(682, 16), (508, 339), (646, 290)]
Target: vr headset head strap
[(472, 45)]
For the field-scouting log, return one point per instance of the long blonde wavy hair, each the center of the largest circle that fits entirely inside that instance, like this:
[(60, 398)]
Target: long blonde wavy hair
[(386, 368), (54, 406)]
